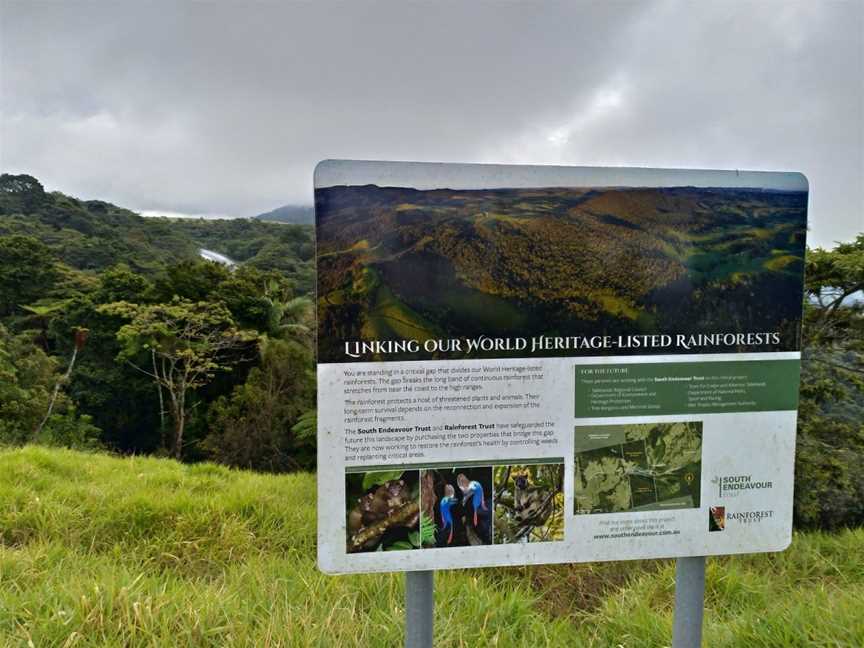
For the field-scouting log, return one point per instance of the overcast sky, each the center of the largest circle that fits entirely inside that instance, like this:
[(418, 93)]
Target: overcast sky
[(225, 108)]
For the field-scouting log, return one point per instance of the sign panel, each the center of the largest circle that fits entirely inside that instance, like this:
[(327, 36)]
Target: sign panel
[(523, 364)]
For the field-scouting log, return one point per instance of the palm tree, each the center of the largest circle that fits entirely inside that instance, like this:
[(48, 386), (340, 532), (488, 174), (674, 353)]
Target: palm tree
[(289, 318)]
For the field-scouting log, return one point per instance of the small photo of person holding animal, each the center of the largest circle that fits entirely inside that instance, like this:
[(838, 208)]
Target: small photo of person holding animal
[(459, 500), (529, 503)]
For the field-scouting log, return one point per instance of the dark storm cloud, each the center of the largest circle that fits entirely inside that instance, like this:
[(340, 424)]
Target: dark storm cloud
[(226, 108)]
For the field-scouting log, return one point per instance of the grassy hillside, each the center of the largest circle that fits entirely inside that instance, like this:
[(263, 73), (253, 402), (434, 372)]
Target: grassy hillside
[(103, 551)]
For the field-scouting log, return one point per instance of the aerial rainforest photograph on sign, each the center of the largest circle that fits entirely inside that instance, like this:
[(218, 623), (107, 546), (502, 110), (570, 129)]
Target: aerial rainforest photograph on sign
[(399, 263)]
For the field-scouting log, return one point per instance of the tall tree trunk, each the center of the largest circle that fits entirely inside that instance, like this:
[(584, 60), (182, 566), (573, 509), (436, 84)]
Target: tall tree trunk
[(179, 423), (56, 393), (161, 401), (177, 415), (178, 434)]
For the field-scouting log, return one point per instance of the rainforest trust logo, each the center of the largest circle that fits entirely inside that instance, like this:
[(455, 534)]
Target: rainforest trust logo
[(734, 485), (718, 517), (749, 517)]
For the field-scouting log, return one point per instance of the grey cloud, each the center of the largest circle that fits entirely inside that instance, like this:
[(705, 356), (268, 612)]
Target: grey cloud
[(225, 108)]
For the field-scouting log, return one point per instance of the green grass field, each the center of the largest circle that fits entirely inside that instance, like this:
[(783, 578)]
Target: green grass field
[(103, 551)]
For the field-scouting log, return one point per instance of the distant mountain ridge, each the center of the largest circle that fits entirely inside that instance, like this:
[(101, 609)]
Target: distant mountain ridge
[(293, 214)]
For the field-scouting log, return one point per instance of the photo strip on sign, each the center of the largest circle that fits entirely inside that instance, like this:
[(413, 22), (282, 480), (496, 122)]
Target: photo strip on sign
[(529, 364)]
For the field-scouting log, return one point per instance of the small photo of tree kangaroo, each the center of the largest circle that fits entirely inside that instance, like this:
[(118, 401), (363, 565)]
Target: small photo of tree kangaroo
[(529, 503)]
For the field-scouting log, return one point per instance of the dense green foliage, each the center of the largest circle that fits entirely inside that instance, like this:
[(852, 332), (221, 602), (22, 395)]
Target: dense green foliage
[(27, 378), (169, 340), (830, 457), (254, 427), (88, 234), (101, 551)]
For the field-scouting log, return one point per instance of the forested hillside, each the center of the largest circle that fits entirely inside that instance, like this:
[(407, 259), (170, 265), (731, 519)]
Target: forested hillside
[(115, 333), (93, 234)]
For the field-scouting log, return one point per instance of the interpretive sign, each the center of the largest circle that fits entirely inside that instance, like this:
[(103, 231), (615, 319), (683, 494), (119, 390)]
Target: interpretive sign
[(524, 364)]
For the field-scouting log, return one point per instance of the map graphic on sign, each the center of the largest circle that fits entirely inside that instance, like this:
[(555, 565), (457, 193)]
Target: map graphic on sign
[(639, 467)]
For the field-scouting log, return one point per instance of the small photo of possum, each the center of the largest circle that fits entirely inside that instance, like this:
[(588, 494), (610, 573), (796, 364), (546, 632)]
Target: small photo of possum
[(529, 503), (458, 501), (382, 511)]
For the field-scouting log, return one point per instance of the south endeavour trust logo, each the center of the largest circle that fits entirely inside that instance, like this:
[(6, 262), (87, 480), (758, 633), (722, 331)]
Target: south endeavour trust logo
[(734, 485)]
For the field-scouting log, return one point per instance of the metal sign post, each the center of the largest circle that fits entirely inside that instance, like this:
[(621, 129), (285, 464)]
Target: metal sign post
[(689, 602), (689, 605), (419, 608)]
